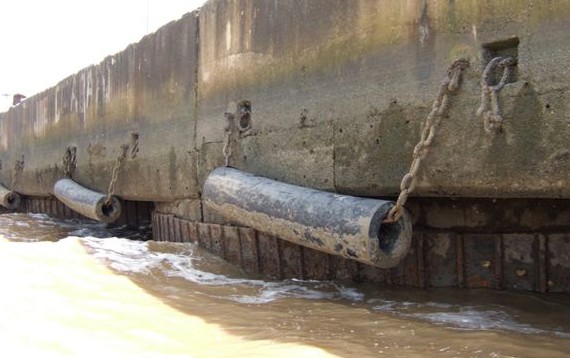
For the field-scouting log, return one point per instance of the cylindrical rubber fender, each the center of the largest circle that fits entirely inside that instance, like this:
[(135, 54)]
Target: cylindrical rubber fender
[(9, 199), (87, 202), (337, 224)]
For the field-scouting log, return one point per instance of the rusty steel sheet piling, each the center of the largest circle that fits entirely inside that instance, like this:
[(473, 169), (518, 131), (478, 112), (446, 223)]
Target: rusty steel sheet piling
[(341, 225), (9, 199), (87, 202)]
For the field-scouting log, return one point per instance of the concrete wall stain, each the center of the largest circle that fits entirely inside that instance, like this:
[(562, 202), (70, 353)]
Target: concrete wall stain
[(301, 59)]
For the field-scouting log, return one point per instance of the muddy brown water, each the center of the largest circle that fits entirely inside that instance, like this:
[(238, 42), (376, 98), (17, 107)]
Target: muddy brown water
[(81, 289)]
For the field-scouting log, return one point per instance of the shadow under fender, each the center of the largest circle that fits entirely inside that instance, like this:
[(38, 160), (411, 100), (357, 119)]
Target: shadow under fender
[(337, 224), (87, 202)]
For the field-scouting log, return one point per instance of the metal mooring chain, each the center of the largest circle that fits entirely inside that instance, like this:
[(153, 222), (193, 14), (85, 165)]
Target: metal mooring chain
[(492, 117), (18, 167), (228, 129), (115, 176), (227, 148), (448, 85), (69, 161)]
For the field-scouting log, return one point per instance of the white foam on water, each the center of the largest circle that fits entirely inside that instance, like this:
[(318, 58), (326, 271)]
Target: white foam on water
[(184, 261), (473, 318), (457, 316), (40, 217), (313, 290), (129, 256)]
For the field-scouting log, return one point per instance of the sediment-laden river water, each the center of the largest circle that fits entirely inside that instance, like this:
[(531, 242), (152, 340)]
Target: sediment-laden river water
[(80, 289)]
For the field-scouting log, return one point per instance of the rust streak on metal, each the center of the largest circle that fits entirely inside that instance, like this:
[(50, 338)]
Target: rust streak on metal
[(179, 226), (204, 237), (217, 239), (174, 229), (143, 212), (499, 259), (54, 207), (315, 264), (249, 250), (269, 256), (541, 263), (154, 227), (65, 209), (60, 209), (232, 252), (194, 234), (460, 259), (158, 229), (422, 272), (292, 262), (170, 228), (185, 226), (130, 213), (164, 224)]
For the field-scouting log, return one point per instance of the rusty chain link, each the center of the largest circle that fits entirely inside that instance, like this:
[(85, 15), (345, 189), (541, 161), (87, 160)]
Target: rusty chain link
[(492, 117), (18, 168), (228, 130), (448, 85), (227, 150), (115, 175), (236, 123), (69, 161)]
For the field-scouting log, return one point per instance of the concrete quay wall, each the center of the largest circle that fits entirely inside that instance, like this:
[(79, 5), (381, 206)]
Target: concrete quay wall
[(338, 93)]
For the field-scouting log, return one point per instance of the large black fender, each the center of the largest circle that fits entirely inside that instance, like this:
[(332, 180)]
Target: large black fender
[(9, 199), (87, 202), (342, 225)]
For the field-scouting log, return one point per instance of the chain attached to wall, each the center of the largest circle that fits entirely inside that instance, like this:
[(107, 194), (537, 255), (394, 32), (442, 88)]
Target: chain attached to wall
[(18, 169), (489, 109), (238, 120), (115, 174), (449, 85), (228, 131), (134, 145), (69, 161)]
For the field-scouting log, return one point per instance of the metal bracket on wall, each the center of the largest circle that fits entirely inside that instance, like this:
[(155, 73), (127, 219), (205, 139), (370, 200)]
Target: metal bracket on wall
[(244, 116)]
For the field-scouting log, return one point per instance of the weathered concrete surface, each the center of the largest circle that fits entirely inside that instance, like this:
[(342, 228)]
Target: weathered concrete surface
[(356, 79), (338, 89), (148, 90)]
